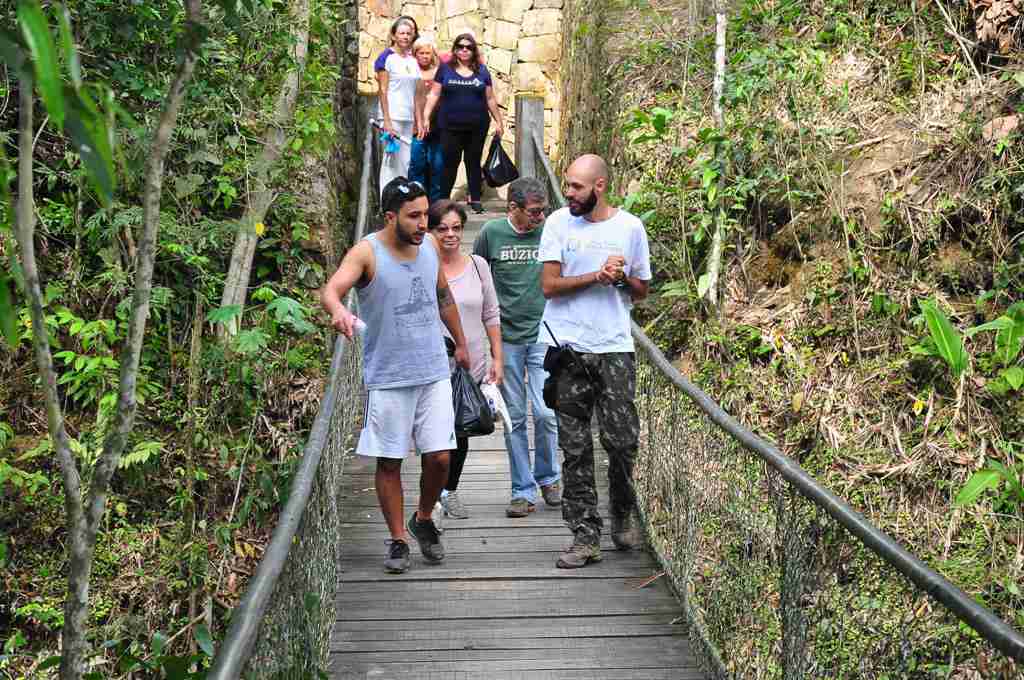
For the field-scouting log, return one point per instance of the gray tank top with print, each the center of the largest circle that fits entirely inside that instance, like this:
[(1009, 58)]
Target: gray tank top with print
[(402, 345)]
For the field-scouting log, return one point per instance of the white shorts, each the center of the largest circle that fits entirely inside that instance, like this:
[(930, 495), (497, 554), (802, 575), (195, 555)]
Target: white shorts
[(417, 418)]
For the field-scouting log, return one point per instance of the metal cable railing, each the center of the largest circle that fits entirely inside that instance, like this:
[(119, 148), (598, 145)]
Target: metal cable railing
[(778, 577), (282, 626)]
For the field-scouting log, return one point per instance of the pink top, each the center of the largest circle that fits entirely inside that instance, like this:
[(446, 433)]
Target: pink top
[(474, 295)]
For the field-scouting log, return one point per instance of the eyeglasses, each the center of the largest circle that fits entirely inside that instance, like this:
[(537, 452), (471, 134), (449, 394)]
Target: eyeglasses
[(533, 212), (445, 228), (464, 46)]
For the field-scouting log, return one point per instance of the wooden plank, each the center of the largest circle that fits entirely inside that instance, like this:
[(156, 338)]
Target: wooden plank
[(507, 629), (455, 545), (635, 653), (560, 644), (503, 589), (456, 528), (486, 606), (418, 672), (518, 668), (524, 566), (497, 607)]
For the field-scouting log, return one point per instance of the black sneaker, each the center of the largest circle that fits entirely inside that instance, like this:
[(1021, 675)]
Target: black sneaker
[(476, 207), (397, 561), (429, 538)]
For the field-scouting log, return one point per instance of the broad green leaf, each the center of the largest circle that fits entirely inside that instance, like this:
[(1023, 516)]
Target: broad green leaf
[(978, 483), (224, 315), (709, 176), (36, 32), (88, 131), (999, 324), (251, 341), (1014, 376), (264, 294), (175, 667), (947, 341), (48, 663), (67, 44), (1009, 340), (8, 313), (289, 311), (203, 639), (703, 284), (159, 642), (11, 51)]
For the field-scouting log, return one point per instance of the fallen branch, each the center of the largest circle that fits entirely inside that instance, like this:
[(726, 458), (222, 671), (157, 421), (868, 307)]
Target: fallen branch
[(951, 29)]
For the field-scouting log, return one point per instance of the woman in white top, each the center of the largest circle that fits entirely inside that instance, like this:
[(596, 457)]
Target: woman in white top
[(469, 278), (398, 75)]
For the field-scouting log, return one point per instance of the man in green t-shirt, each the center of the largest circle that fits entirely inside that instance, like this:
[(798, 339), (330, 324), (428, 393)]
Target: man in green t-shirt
[(510, 247)]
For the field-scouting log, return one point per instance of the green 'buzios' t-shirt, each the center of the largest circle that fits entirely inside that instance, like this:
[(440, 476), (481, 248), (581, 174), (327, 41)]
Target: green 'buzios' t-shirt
[(512, 257)]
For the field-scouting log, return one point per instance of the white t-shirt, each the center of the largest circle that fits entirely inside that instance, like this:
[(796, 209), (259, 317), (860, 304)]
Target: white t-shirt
[(403, 77), (597, 318)]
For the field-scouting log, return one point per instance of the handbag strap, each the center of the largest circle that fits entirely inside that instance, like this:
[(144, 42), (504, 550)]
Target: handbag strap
[(472, 258)]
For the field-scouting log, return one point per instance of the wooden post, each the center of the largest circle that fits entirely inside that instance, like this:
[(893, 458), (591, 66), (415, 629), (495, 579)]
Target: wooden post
[(529, 118)]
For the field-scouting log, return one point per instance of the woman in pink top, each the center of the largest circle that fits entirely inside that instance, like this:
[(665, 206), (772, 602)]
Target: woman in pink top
[(469, 279)]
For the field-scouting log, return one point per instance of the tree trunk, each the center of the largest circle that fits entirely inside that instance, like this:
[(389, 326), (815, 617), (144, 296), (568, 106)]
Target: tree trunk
[(717, 240), (73, 639), (258, 201), (84, 516)]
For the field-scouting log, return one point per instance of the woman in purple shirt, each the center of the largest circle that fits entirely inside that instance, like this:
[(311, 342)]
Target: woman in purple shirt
[(466, 95)]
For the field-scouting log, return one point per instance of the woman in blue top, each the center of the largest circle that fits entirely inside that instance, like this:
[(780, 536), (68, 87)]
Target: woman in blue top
[(466, 95)]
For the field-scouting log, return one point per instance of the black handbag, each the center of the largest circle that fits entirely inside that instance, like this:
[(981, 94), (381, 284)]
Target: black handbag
[(473, 414), (499, 169)]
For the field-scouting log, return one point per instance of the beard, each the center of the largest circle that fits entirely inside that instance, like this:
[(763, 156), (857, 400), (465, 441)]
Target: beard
[(411, 236), (576, 208)]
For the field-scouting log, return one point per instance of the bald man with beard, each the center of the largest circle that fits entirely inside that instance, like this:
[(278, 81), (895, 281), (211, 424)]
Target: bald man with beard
[(597, 263)]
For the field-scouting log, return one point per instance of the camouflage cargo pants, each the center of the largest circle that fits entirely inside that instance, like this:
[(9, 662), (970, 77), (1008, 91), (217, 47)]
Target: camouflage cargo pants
[(609, 386)]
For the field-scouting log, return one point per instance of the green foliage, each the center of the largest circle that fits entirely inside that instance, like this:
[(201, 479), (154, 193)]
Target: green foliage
[(71, 108), (645, 127), (181, 462), (945, 340), (1007, 480), (6, 436), (35, 31), (24, 482)]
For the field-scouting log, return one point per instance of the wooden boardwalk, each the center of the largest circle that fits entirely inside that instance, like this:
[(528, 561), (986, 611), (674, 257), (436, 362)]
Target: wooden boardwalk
[(497, 607)]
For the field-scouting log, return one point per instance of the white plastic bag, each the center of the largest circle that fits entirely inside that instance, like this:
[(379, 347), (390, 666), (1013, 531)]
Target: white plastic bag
[(493, 395)]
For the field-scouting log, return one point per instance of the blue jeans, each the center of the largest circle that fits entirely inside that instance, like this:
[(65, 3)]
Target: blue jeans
[(426, 165), (522, 361)]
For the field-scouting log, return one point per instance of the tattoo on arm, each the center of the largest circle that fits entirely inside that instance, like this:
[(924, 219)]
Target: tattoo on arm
[(444, 298)]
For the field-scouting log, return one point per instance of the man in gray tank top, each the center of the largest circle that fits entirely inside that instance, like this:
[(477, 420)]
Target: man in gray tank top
[(403, 299)]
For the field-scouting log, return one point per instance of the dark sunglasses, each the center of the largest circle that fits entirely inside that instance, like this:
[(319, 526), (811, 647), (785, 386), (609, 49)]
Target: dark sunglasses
[(464, 46)]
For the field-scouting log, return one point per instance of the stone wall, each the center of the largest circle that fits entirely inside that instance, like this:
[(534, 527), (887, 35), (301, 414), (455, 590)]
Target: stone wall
[(521, 41)]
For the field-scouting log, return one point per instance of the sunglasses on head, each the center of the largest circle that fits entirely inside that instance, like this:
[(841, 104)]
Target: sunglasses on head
[(407, 186)]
